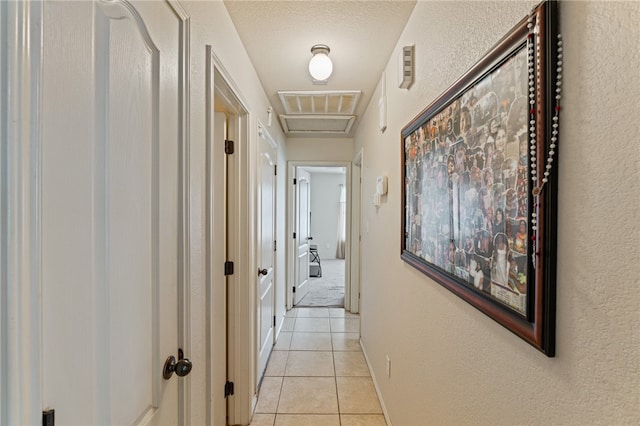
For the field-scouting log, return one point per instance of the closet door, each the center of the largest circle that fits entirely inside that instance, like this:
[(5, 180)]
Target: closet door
[(266, 239), (111, 210)]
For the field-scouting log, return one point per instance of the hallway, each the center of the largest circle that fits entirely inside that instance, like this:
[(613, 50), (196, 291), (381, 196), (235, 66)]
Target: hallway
[(317, 374)]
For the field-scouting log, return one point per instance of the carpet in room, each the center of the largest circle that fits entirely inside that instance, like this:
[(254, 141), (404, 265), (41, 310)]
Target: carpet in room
[(327, 290)]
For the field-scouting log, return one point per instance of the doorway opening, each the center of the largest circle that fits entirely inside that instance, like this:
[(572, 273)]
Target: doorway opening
[(320, 223), (227, 205)]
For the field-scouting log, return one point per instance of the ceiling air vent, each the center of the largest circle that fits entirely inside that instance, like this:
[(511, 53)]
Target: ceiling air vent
[(318, 112)]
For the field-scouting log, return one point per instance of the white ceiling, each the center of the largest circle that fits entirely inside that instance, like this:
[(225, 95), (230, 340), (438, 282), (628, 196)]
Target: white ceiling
[(278, 36)]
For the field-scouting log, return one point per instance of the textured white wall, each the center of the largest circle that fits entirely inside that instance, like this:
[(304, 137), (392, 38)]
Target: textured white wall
[(452, 365), (319, 149), (325, 197)]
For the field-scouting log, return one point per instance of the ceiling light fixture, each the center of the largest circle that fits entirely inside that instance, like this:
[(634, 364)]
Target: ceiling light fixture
[(320, 66)]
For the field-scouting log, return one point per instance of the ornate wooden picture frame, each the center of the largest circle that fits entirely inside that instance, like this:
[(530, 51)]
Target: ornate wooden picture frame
[(479, 181)]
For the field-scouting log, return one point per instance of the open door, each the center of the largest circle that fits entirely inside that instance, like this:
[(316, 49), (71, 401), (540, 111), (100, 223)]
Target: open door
[(217, 237), (113, 211), (303, 202)]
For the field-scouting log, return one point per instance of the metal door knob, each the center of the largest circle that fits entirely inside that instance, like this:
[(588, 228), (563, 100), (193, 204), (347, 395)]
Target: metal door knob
[(262, 272), (182, 367)]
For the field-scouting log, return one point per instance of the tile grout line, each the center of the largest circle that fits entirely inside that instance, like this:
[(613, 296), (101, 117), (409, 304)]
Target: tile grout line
[(335, 379), (282, 383)]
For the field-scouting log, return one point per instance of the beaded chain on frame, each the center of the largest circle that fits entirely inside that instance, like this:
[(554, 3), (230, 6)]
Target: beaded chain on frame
[(533, 40)]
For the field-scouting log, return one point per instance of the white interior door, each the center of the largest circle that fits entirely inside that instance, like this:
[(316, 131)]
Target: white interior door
[(266, 258), (111, 210), (303, 202)]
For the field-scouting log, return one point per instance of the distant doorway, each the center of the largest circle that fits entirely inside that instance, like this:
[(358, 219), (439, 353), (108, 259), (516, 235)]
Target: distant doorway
[(320, 203)]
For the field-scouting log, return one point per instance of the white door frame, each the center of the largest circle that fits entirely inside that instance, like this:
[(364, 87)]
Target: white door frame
[(356, 230), (20, 220), (291, 226), (239, 247), (184, 219)]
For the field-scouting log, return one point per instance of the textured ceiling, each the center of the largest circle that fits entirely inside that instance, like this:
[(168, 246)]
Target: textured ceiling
[(278, 36)]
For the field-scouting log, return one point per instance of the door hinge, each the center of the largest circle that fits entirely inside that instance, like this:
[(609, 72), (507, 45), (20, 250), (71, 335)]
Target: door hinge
[(294, 235), (275, 169), (228, 389), (228, 268), (228, 146), (295, 181), (274, 320), (49, 418), (275, 247), (294, 289)]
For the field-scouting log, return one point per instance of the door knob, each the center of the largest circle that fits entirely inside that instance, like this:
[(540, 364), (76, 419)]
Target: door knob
[(182, 367), (262, 272)]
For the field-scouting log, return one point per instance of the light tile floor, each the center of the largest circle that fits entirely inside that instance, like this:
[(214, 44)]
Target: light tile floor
[(317, 374)]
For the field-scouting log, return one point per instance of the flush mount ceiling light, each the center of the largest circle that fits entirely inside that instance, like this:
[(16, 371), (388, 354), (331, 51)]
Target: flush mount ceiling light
[(320, 66)]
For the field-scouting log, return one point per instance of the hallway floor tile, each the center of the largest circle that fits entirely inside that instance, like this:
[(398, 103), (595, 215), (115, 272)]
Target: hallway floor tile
[(317, 374)]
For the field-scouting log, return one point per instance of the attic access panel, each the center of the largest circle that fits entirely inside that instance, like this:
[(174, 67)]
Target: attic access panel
[(306, 124)]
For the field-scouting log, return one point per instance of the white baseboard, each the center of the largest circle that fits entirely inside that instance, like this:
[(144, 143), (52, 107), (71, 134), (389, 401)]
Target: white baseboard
[(375, 384), (279, 326)]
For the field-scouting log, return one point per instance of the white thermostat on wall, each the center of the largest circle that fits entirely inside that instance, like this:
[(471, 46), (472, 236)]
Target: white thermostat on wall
[(381, 185)]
